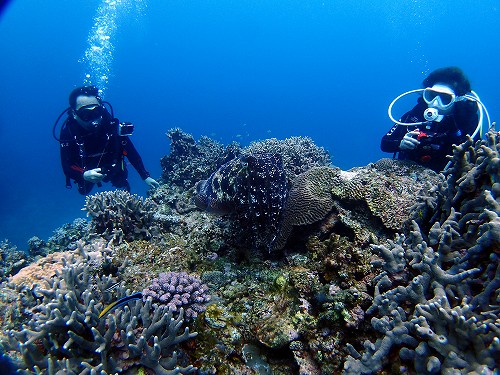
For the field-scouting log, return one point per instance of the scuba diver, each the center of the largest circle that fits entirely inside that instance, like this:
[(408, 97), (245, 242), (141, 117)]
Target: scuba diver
[(446, 111), (94, 144)]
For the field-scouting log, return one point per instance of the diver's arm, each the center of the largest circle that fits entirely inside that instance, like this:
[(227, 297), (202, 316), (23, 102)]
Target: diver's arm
[(135, 159), (391, 141), (467, 118)]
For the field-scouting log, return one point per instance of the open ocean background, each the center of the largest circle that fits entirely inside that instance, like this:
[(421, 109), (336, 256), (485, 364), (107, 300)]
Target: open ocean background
[(231, 70)]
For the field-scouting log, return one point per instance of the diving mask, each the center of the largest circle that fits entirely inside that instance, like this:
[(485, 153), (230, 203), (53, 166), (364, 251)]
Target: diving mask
[(439, 96), (90, 113)]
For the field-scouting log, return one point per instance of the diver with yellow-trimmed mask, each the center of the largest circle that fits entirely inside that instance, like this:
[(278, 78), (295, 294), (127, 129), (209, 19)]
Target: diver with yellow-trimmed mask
[(446, 111)]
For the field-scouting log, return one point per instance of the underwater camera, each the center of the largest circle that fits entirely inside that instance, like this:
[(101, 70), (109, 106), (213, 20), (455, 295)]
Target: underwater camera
[(125, 129)]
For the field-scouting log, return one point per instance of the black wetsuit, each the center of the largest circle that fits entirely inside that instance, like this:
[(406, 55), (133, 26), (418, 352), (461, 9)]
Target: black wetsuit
[(82, 150), (437, 138)]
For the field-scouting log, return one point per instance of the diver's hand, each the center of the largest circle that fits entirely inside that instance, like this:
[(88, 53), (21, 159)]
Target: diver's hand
[(152, 182), (410, 141), (93, 175)]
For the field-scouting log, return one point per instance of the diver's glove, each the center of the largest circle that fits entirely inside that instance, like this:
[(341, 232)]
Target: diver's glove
[(152, 182), (93, 175), (410, 141)]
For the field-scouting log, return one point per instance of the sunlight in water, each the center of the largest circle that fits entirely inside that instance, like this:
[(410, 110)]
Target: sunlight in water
[(98, 57)]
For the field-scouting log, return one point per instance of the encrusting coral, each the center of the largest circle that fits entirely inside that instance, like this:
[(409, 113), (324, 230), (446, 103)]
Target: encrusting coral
[(380, 186), (66, 334), (437, 299)]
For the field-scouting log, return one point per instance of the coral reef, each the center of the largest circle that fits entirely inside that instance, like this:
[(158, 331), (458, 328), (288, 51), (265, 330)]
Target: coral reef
[(178, 291), (436, 301), (189, 161), (380, 186), (387, 268), (298, 154), (118, 215), (11, 259), (65, 334), (66, 236)]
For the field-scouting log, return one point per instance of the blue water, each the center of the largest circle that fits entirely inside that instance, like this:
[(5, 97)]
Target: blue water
[(232, 70)]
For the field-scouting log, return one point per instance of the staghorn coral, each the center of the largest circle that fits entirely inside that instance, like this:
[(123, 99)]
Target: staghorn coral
[(436, 301), (178, 291), (118, 215), (298, 311), (65, 334)]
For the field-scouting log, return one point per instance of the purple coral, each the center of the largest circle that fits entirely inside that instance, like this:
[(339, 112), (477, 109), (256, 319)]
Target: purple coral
[(176, 290)]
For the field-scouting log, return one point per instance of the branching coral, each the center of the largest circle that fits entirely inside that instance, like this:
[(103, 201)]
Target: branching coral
[(178, 291), (190, 161), (119, 216), (298, 153), (441, 312), (66, 335), (11, 259)]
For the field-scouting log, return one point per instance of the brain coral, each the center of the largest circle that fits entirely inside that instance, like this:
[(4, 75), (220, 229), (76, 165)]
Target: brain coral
[(309, 200), (381, 186)]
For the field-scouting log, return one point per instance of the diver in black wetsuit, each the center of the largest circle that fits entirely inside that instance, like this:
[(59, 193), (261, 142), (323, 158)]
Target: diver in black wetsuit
[(445, 113), (94, 144)]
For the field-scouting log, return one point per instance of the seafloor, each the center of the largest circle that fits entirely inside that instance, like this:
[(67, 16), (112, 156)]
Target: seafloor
[(268, 260)]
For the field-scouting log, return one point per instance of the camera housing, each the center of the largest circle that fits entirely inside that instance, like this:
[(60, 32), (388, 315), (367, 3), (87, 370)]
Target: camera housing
[(125, 129)]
